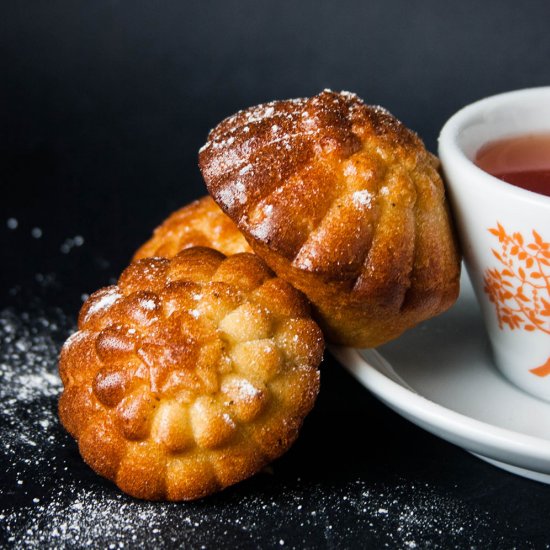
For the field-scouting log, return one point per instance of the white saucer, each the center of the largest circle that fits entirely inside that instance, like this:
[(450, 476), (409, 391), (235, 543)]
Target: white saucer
[(440, 376)]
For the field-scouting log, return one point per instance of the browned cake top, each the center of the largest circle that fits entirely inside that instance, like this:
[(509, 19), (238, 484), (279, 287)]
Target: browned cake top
[(200, 223), (345, 203), (206, 364), (294, 174)]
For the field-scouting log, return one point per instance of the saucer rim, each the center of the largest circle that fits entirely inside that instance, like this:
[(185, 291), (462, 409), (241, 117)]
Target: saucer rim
[(491, 441)]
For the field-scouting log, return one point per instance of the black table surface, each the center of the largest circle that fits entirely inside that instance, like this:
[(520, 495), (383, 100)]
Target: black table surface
[(103, 107)]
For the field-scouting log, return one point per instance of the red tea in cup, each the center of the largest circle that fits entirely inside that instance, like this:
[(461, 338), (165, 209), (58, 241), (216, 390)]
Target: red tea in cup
[(523, 161)]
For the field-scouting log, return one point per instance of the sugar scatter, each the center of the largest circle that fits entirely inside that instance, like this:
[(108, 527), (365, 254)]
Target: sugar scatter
[(70, 243), (29, 344), (12, 223), (297, 515)]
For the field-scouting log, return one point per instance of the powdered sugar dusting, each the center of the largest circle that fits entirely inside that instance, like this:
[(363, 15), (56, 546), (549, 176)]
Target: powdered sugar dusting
[(300, 515), (76, 337), (29, 345), (148, 304), (260, 113), (243, 389), (263, 229), (234, 193), (362, 198), (245, 169), (103, 301)]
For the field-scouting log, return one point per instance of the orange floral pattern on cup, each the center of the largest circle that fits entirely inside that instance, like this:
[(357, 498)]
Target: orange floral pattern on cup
[(520, 290)]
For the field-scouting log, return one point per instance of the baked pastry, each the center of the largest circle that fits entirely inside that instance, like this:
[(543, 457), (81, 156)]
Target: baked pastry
[(190, 374), (200, 223), (345, 203)]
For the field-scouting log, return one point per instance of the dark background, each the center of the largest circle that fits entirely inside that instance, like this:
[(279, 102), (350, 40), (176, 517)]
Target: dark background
[(103, 106)]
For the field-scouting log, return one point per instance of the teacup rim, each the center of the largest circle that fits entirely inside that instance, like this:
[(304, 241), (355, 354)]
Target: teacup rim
[(448, 145)]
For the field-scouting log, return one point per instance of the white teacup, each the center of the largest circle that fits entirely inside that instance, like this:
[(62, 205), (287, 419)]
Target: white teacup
[(504, 232)]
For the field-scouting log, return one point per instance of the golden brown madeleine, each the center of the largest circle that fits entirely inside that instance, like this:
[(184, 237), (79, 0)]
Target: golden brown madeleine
[(345, 203), (189, 375), (200, 223)]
